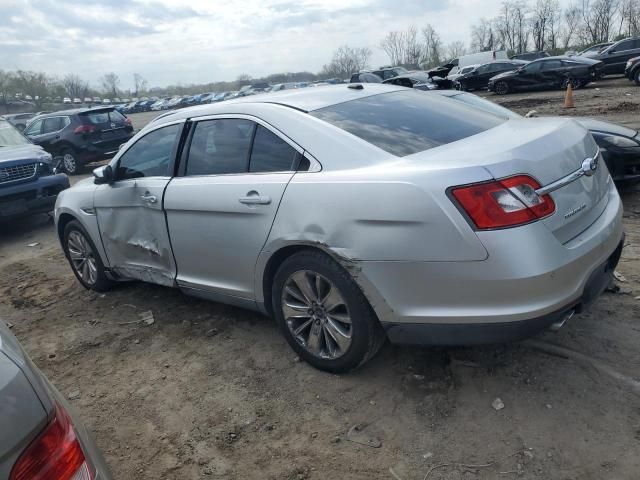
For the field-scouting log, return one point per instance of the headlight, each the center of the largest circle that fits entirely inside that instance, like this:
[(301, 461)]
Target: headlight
[(616, 141)]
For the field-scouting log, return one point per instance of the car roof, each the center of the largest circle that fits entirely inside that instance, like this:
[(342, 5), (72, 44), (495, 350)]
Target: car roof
[(76, 111), (576, 58)]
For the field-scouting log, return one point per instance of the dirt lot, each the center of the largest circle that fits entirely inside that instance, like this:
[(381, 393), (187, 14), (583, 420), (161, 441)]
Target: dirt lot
[(210, 391)]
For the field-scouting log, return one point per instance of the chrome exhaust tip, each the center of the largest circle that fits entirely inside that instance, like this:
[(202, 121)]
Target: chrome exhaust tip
[(555, 326)]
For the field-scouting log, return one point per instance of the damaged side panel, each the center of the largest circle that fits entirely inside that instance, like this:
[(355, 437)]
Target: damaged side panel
[(134, 231)]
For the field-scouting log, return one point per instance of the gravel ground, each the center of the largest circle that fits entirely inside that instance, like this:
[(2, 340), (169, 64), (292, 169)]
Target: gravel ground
[(211, 391)]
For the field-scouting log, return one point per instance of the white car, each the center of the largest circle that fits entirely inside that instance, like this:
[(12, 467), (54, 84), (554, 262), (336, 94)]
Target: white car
[(462, 71), (66, 100), (77, 101), (106, 101)]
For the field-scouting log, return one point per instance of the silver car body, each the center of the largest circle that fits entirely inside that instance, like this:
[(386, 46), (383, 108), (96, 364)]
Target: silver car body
[(388, 220), (27, 404)]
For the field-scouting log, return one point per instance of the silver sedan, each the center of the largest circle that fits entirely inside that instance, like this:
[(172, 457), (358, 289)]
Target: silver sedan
[(356, 213)]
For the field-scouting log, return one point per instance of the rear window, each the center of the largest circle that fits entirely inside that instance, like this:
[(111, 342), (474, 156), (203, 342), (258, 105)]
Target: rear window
[(407, 122), (97, 117)]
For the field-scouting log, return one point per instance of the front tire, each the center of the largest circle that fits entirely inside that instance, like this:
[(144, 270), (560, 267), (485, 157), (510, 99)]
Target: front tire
[(84, 258), (501, 87), (636, 77), (69, 161), (323, 314)]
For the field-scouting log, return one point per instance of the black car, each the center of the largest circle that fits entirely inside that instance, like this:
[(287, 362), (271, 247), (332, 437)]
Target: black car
[(84, 135), (28, 180), (478, 78), (632, 70), (443, 70), (365, 77), (419, 80), (530, 56), (619, 145), (383, 73), (615, 57), (548, 73)]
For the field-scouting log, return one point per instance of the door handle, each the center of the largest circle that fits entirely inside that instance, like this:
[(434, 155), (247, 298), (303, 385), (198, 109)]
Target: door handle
[(253, 198), (147, 197)]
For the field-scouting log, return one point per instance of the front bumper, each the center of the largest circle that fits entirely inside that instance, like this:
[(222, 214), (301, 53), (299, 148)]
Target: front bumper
[(35, 196), (529, 281)]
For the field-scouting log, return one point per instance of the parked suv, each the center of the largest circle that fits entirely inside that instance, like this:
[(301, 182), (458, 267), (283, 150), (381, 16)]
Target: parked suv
[(632, 70), (80, 136), (28, 183), (615, 57)]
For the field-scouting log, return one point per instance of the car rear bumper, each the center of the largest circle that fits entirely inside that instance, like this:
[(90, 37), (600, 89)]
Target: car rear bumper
[(35, 196), (94, 152), (529, 281)]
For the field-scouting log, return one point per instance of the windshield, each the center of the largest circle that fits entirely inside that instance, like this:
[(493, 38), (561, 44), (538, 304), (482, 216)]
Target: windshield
[(407, 122), (10, 137)]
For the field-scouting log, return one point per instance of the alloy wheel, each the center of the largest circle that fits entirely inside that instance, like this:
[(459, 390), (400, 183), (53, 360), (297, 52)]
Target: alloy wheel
[(69, 162), (82, 257), (502, 88), (316, 314)]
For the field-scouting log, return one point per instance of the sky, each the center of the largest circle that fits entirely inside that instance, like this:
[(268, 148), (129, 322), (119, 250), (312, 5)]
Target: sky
[(169, 42)]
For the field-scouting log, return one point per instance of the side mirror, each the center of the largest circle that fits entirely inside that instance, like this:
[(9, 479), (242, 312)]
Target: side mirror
[(103, 175)]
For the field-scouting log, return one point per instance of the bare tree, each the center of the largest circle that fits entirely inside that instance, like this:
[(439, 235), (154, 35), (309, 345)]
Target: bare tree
[(597, 17), (35, 84), (393, 45), (432, 46), (483, 35), (455, 49), (572, 18), (414, 50), (345, 61), (110, 84), (543, 22), (629, 18), (74, 86), (139, 84)]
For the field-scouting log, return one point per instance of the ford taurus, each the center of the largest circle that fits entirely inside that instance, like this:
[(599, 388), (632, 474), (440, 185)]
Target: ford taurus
[(356, 213)]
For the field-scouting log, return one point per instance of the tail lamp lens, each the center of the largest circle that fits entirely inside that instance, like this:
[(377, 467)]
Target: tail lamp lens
[(508, 202), (54, 455), (84, 129)]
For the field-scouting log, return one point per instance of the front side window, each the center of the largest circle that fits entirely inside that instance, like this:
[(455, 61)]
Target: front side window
[(270, 153), (220, 147), (551, 65), (151, 155), (34, 128), (533, 67), (408, 121)]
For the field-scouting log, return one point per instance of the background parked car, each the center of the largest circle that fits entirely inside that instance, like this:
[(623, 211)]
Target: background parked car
[(594, 49), (19, 120), (419, 80), (365, 77), (41, 437), (80, 136), (28, 182), (615, 56), (530, 56), (548, 73), (469, 68), (478, 78), (632, 70)]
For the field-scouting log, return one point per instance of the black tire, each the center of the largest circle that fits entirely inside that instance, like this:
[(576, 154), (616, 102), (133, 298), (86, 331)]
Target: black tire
[(575, 84), (102, 283), (69, 161), (636, 76), (367, 335), (501, 87)]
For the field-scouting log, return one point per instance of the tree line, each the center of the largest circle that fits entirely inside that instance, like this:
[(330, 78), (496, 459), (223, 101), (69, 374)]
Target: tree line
[(519, 26)]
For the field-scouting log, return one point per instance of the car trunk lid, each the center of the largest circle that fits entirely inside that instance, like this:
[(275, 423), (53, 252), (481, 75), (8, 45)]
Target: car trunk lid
[(548, 150)]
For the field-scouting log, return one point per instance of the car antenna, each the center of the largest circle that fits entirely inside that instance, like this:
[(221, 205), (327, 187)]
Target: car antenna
[(355, 86)]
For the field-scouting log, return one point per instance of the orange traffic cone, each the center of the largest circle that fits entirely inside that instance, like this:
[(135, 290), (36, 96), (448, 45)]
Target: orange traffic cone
[(568, 97)]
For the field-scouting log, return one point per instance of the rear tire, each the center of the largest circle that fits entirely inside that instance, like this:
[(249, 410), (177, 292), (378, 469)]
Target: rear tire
[(323, 314), (501, 87), (69, 161), (575, 84), (636, 77), (84, 258)]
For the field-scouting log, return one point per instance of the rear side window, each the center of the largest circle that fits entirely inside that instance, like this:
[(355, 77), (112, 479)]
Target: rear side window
[(116, 116), (54, 124), (97, 117), (220, 147), (407, 122), (270, 153)]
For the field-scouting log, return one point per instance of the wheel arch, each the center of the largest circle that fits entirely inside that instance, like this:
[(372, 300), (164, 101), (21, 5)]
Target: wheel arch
[(65, 217)]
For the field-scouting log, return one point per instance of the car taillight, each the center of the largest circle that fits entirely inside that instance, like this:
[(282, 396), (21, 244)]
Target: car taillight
[(508, 202), (84, 129), (127, 121), (54, 455)]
